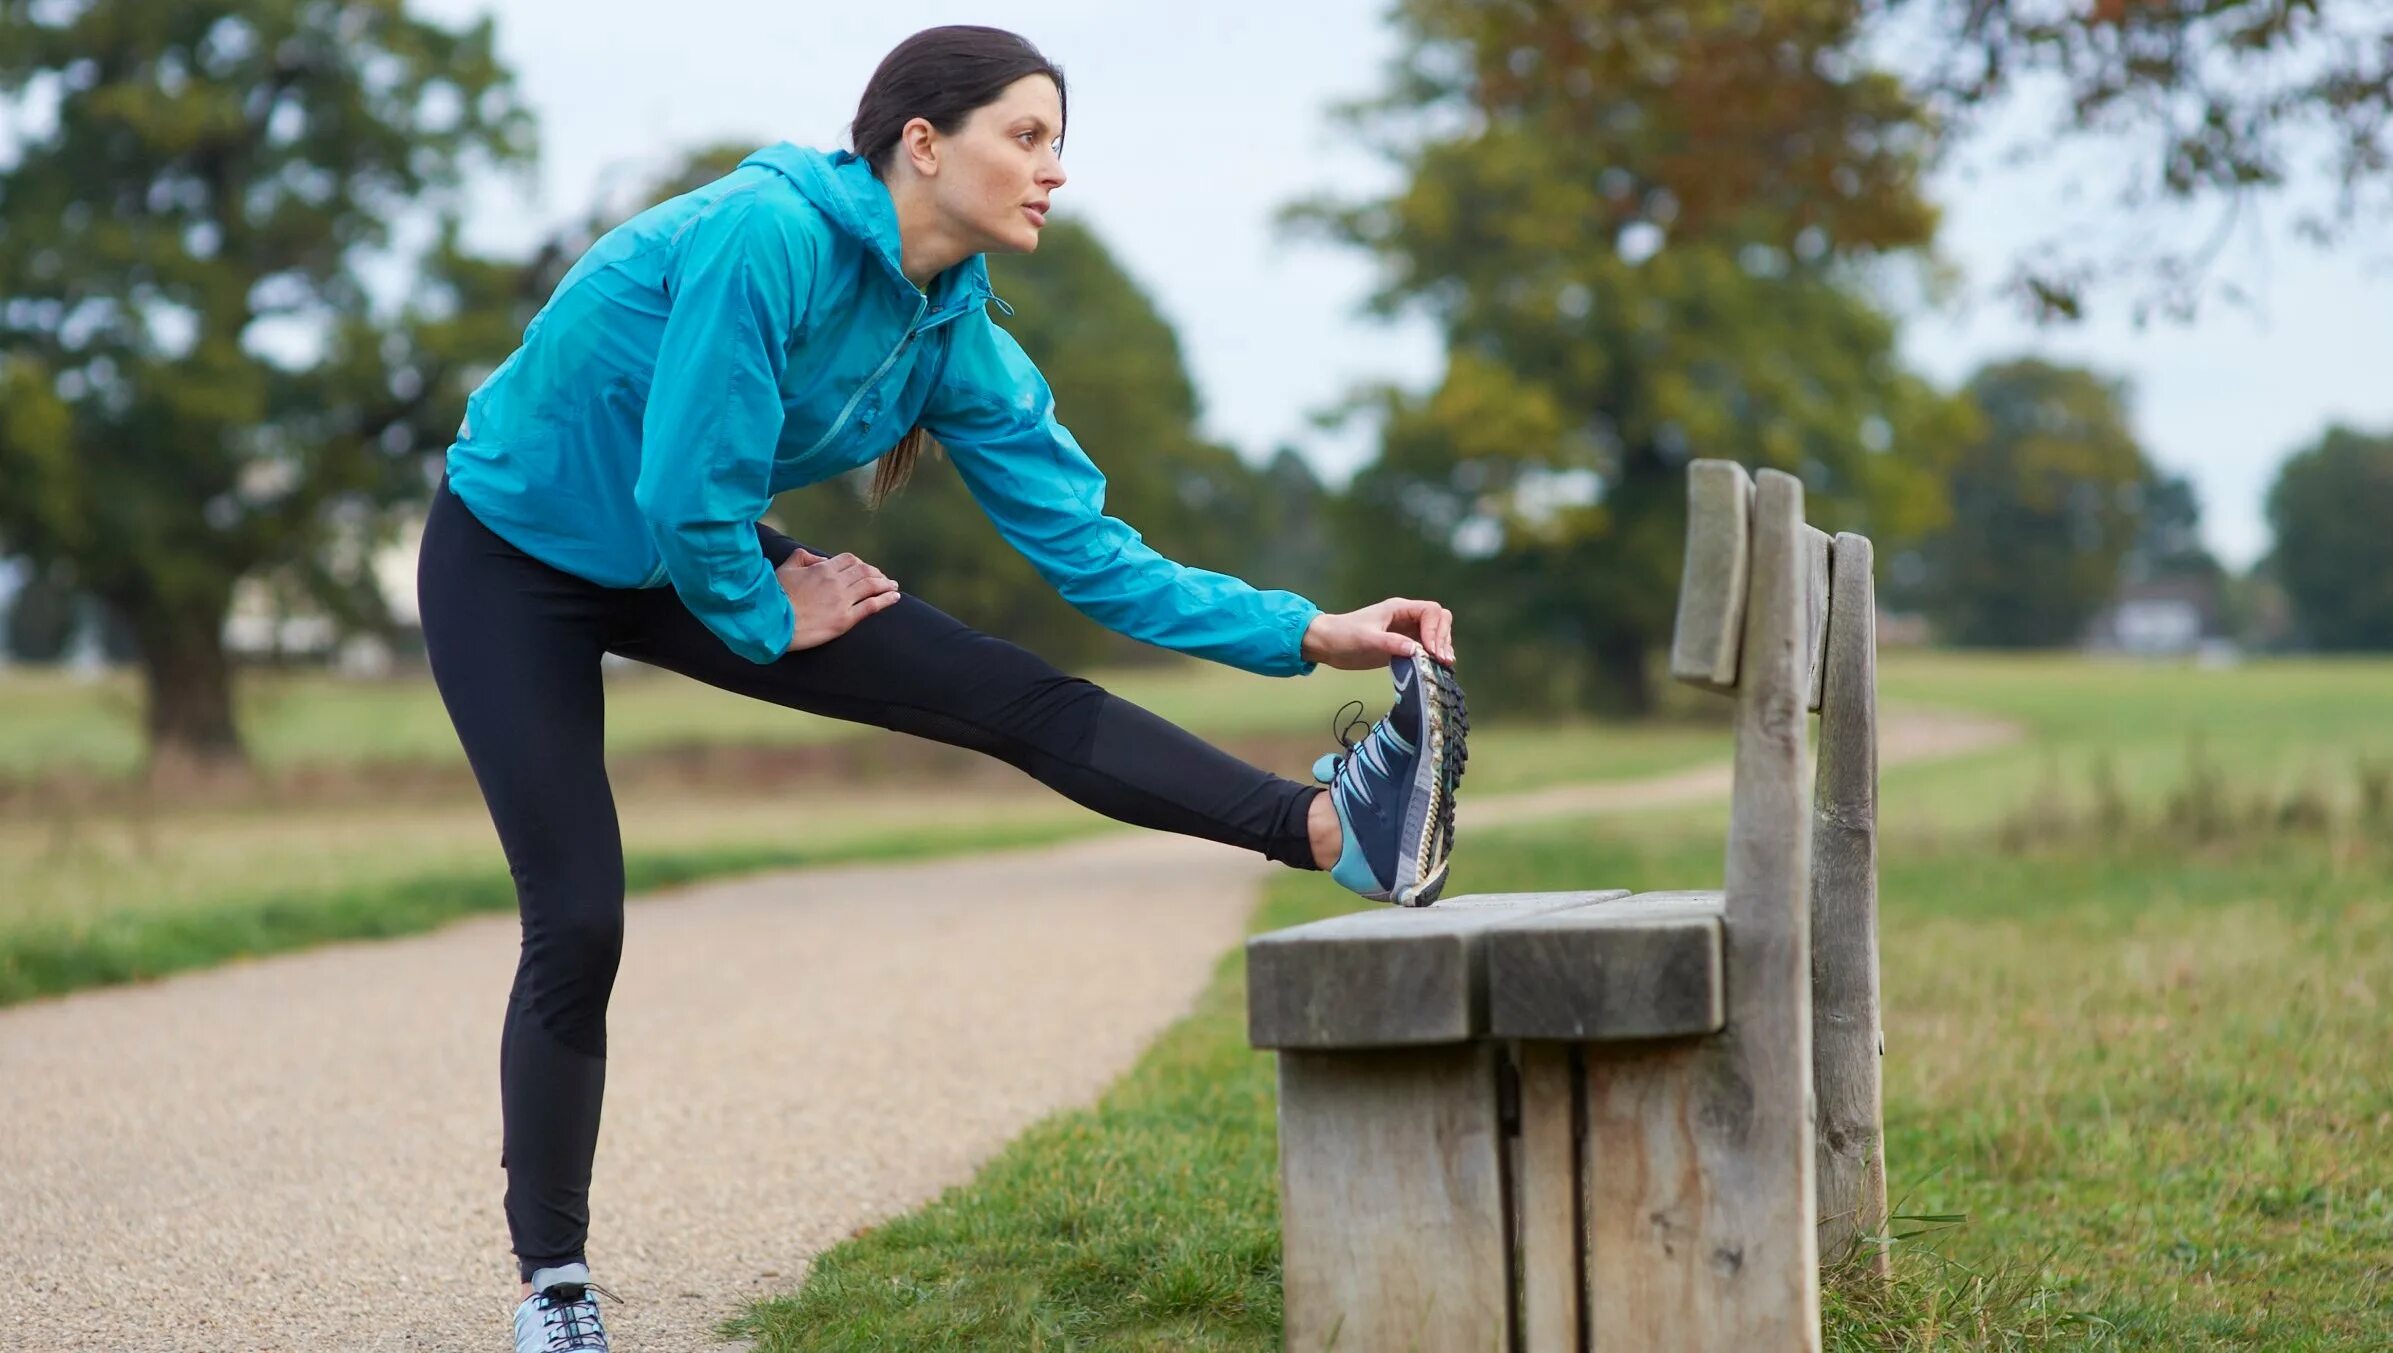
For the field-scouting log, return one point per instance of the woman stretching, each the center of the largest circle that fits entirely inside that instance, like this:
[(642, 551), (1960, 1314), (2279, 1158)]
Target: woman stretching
[(775, 328)]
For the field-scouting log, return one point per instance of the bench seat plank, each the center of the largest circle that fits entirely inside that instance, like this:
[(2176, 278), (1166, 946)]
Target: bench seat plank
[(1647, 966), (1386, 978)]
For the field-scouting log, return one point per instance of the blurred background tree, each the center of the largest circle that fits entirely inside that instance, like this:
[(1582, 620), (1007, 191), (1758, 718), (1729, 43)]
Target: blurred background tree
[(2168, 533), (198, 381), (2332, 512), (1650, 230), (1643, 230), (2199, 115), (2047, 500)]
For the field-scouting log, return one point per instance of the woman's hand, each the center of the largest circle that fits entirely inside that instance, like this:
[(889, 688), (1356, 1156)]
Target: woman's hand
[(831, 595), (1360, 640)]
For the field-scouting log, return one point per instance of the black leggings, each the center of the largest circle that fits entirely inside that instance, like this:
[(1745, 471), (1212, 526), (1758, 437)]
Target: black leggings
[(515, 648)]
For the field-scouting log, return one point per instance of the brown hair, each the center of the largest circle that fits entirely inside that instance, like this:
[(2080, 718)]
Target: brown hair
[(941, 75)]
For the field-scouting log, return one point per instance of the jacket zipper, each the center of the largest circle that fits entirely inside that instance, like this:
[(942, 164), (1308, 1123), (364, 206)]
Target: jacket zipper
[(870, 381)]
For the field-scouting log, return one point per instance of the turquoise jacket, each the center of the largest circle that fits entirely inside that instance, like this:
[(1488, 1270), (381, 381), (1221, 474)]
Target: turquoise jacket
[(757, 334)]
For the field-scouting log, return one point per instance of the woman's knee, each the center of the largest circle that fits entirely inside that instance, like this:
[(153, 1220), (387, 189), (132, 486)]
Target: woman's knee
[(570, 962), (573, 919)]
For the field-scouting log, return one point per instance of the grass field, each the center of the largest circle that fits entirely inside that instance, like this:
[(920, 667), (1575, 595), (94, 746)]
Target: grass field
[(2142, 1049), (2138, 971)]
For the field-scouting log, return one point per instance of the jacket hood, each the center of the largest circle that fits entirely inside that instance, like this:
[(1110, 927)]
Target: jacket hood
[(842, 185)]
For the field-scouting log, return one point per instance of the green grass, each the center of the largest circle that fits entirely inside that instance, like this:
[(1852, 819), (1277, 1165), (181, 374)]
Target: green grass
[(2271, 727), (2148, 1069), (47, 958)]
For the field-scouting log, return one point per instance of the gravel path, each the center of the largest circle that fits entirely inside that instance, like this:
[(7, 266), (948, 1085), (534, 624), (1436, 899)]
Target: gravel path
[(301, 1152)]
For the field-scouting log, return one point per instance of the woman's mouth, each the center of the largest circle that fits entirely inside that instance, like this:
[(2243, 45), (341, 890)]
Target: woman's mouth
[(1038, 213)]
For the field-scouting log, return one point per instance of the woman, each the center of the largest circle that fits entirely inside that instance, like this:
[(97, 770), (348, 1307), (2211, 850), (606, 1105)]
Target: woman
[(776, 328)]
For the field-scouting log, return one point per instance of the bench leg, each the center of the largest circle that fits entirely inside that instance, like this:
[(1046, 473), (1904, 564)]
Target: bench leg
[(1846, 1040), (1546, 1197), (1678, 1254), (1392, 1208)]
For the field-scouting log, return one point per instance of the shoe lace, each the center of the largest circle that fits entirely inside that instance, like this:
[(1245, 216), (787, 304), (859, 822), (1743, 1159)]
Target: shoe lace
[(1342, 726), (573, 1323)]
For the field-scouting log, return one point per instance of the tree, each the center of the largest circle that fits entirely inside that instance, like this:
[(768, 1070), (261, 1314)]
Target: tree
[(2046, 501), (1642, 229), (41, 622), (2221, 107), (198, 384), (2333, 555), (2168, 534)]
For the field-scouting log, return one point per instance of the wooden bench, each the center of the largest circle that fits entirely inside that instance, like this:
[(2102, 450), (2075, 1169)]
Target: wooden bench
[(1603, 1121)]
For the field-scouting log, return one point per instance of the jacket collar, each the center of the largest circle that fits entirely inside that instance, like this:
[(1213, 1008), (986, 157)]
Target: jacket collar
[(844, 187)]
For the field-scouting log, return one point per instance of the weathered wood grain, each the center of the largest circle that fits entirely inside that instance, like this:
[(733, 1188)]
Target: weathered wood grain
[(1845, 1030), (1699, 1153), (1392, 1229), (1712, 578), (1646, 966), (1545, 1192), (1389, 977), (1815, 614)]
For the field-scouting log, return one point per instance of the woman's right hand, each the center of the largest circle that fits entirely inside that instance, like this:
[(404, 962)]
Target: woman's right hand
[(831, 595)]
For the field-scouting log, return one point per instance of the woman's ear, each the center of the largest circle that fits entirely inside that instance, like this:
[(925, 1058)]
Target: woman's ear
[(920, 142)]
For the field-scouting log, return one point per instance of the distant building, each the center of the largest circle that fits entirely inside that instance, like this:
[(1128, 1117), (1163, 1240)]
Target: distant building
[(2159, 617)]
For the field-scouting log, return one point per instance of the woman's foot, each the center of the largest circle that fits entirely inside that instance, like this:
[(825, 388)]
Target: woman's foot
[(561, 1314), (1392, 790)]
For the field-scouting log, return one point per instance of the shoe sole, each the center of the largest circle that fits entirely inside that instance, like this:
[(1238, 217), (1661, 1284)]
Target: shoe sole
[(1429, 809)]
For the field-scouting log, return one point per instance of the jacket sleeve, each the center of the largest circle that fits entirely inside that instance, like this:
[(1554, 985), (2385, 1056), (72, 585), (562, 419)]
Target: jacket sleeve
[(733, 279), (994, 413)]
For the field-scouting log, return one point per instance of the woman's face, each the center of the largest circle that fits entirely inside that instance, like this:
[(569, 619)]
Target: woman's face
[(998, 172)]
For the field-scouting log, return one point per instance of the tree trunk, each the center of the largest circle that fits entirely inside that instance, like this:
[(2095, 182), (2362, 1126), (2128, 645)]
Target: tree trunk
[(187, 688), (1622, 665)]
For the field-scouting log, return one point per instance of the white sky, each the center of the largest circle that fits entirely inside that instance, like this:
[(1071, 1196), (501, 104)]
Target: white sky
[(1187, 136)]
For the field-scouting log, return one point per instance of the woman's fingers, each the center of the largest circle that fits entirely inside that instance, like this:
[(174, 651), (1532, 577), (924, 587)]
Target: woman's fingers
[(1434, 624), (843, 565), (849, 565)]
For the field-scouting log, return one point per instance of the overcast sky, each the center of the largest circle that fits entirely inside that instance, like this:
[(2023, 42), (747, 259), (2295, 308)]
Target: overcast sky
[(1186, 137)]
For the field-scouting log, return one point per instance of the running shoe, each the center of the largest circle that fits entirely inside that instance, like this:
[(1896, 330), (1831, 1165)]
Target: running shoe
[(1393, 788), (561, 1315)]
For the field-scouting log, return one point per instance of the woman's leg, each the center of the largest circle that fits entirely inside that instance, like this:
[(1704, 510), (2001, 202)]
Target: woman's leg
[(915, 669), (515, 648)]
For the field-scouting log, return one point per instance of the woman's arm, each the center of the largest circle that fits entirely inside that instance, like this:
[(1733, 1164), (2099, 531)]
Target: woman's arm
[(995, 415), (734, 280)]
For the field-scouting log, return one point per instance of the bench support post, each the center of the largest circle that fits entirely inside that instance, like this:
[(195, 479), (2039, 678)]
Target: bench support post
[(1846, 1039), (1392, 1208), (1699, 1157)]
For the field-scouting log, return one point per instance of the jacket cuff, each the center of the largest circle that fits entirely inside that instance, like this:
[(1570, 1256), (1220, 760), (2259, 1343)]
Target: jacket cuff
[(1297, 620)]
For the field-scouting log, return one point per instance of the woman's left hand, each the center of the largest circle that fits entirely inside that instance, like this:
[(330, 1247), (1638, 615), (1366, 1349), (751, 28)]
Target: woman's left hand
[(1358, 641)]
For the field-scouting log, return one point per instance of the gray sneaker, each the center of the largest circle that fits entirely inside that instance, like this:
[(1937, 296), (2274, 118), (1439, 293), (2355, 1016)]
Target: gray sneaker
[(561, 1315)]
